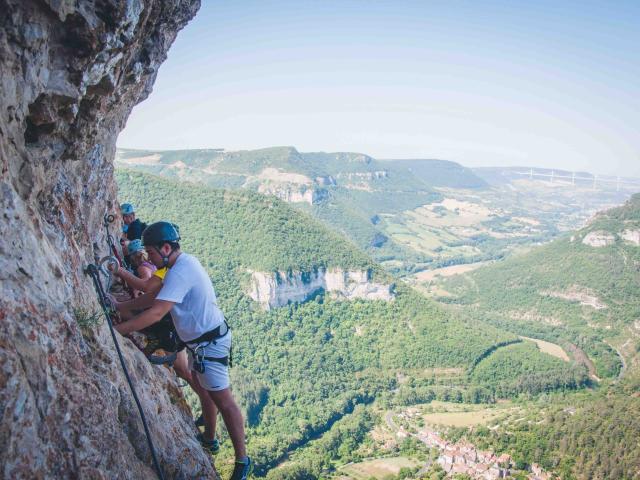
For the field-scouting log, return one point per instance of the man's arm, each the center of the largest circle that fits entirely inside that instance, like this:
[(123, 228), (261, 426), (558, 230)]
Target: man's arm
[(138, 303), (158, 309), (150, 285)]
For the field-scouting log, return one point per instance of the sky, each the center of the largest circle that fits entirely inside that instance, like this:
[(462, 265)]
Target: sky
[(485, 83)]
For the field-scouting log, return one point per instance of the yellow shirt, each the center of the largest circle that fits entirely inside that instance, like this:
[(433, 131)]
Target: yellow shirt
[(161, 272)]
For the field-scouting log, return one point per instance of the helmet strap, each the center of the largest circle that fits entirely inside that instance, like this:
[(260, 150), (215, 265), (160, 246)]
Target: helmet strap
[(165, 259)]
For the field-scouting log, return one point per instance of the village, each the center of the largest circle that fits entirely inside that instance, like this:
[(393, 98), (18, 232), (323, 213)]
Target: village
[(463, 457)]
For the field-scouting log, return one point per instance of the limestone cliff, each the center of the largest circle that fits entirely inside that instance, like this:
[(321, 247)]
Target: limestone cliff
[(287, 186), (70, 73), (631, 236), (599, 239), (278, 289), (289, 193)]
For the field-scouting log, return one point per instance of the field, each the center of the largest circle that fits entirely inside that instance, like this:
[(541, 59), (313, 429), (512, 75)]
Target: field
[(462, 419), (466, 227), (378, 468), (464, 415), (550, 348), (428, 275), (447, 414)]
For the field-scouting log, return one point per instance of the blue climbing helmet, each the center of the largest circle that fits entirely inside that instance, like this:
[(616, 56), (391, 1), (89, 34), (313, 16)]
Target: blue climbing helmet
[(160, 232), (135, 246), (126, 209)]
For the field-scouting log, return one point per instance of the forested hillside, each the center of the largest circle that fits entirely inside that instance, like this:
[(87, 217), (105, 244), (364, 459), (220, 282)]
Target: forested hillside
[(302, 367), (582, 292), (579, 436), (252, 230), (520, 368), (347, 191)]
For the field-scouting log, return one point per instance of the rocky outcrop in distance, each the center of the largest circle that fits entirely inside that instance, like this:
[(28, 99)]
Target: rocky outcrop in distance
[(599, 239), (578, 294), (293, 193), (603, 238), (378, 174), (70, 73), (272, 290), (631, 236)]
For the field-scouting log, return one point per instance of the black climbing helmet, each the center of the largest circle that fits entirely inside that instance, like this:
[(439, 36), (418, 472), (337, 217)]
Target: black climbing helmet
[(159, 233)]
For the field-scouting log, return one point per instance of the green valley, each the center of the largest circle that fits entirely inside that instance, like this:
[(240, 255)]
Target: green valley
[(305, 365)]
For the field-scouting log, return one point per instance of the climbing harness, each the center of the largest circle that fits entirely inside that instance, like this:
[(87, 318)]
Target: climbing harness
[(93, 271), (203, 341)]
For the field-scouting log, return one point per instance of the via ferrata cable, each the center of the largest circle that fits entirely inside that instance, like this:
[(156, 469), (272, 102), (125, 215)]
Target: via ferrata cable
[(93, 272)]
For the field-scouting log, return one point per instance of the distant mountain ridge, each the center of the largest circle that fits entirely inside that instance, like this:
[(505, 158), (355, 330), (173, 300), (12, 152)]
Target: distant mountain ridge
[(348, 191), (411, 214), (442, 173), (316, 166)]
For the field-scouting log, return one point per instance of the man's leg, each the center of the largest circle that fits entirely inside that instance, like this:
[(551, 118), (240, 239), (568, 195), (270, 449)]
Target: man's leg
[(233, 420), (209, 410)]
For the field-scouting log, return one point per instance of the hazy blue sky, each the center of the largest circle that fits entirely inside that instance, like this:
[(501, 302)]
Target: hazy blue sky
[(543, 83)]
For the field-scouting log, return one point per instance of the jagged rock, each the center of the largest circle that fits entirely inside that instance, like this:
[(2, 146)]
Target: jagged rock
[(70, 73), (599, 239), (273, 290)]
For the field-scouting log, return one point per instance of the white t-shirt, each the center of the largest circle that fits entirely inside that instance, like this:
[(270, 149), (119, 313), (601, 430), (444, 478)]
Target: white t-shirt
[(195, 310)]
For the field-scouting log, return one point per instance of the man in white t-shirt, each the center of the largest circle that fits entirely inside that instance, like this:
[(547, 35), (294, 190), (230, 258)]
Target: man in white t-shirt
[(188, 294)]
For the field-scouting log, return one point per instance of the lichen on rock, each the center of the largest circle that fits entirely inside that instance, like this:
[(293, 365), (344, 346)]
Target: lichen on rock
[(70, 73)]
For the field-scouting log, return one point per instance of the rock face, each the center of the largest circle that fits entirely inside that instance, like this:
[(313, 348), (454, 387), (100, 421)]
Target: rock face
[(378, 174), (631, 236), (599, 239), (273, 290), (293, 193), (577, 294), (70, 73), (287, 186)]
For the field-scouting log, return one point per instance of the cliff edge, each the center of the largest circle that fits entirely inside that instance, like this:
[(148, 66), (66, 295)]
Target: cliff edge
[(70, 73)]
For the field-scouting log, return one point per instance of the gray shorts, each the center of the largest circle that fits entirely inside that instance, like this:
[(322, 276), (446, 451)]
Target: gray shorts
[(216, 375)]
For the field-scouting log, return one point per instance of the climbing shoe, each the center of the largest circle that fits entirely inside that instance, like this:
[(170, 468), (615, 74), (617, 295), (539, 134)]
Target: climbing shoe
[(211, 446), (200, 421), (241, 470)]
